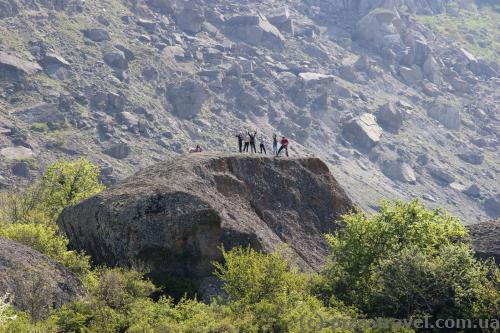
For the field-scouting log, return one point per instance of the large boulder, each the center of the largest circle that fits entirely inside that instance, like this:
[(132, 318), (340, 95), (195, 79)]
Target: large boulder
[(377, 28), (486, 239), (174, 216), (13, 65), (255, 30), (190, 20), (390, 117), (35, 282), (363, 131), (445, 112), (96, 34)]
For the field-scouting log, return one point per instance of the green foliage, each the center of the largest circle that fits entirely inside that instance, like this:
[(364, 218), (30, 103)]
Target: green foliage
[(66, 183), (268, 287), (407, 261), (29, 217)]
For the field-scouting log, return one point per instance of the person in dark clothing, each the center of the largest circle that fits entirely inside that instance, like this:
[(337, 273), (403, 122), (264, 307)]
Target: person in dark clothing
[(284, 146), (262, 140), (275, 144), (240, 141), (247, 143), (253, 148)]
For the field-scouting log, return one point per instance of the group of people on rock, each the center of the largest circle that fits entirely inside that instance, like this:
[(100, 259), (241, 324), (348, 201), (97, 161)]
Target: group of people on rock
[(249, 141)]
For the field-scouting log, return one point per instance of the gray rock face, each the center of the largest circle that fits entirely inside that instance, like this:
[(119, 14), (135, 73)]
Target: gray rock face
[(174, 216), (486, 239), (187, 98), (33, 279), (446, 113), (362, 131), (390, 117), (96, 34)]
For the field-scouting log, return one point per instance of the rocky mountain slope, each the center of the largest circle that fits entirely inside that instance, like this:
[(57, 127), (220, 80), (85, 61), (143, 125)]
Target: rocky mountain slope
[(382, 89), (171, 218)]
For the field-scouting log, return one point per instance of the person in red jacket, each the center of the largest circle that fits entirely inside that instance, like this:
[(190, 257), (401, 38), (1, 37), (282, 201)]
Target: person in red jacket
[(284, 146)]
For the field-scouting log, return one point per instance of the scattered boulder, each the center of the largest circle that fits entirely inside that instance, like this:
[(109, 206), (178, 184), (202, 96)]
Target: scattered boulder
[(411, 75), (432, 70), (36, 282), (96, 34), (187, 98), (190, 20), (362, 131), (390, 117), (440, 174), (116, 59), (11, 64), (16, 153), (377, 28), (486, 239), (119, 151), (399, 170), (174, 216), (472, 157), (21, 169), (492, 206), (150, 74), (482, 68), (255, 30), (447, 113), (473, 191), (149, 25), (56, 66)]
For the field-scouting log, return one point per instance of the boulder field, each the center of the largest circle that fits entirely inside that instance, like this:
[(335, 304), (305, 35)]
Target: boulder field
[(173, 217)]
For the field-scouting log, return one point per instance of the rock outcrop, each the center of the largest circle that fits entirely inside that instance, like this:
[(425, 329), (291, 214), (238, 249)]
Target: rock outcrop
[(486, 239), (173, 216), (35, 281)]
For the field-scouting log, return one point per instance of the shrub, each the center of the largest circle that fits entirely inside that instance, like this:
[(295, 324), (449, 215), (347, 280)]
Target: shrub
[(404, 261), (66, 183)]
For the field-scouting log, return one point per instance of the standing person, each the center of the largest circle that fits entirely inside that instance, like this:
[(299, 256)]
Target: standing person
[(240, 141), (247, 143), (284, 145), (253, 148), (262, 140), (275, 144)]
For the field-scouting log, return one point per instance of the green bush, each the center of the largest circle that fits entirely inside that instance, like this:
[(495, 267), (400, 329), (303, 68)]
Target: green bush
[(407, 261), (67, 183)]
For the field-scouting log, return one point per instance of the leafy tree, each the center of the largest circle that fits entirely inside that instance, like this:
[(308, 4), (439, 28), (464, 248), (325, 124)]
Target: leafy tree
[(67, 183), (404, 261)]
